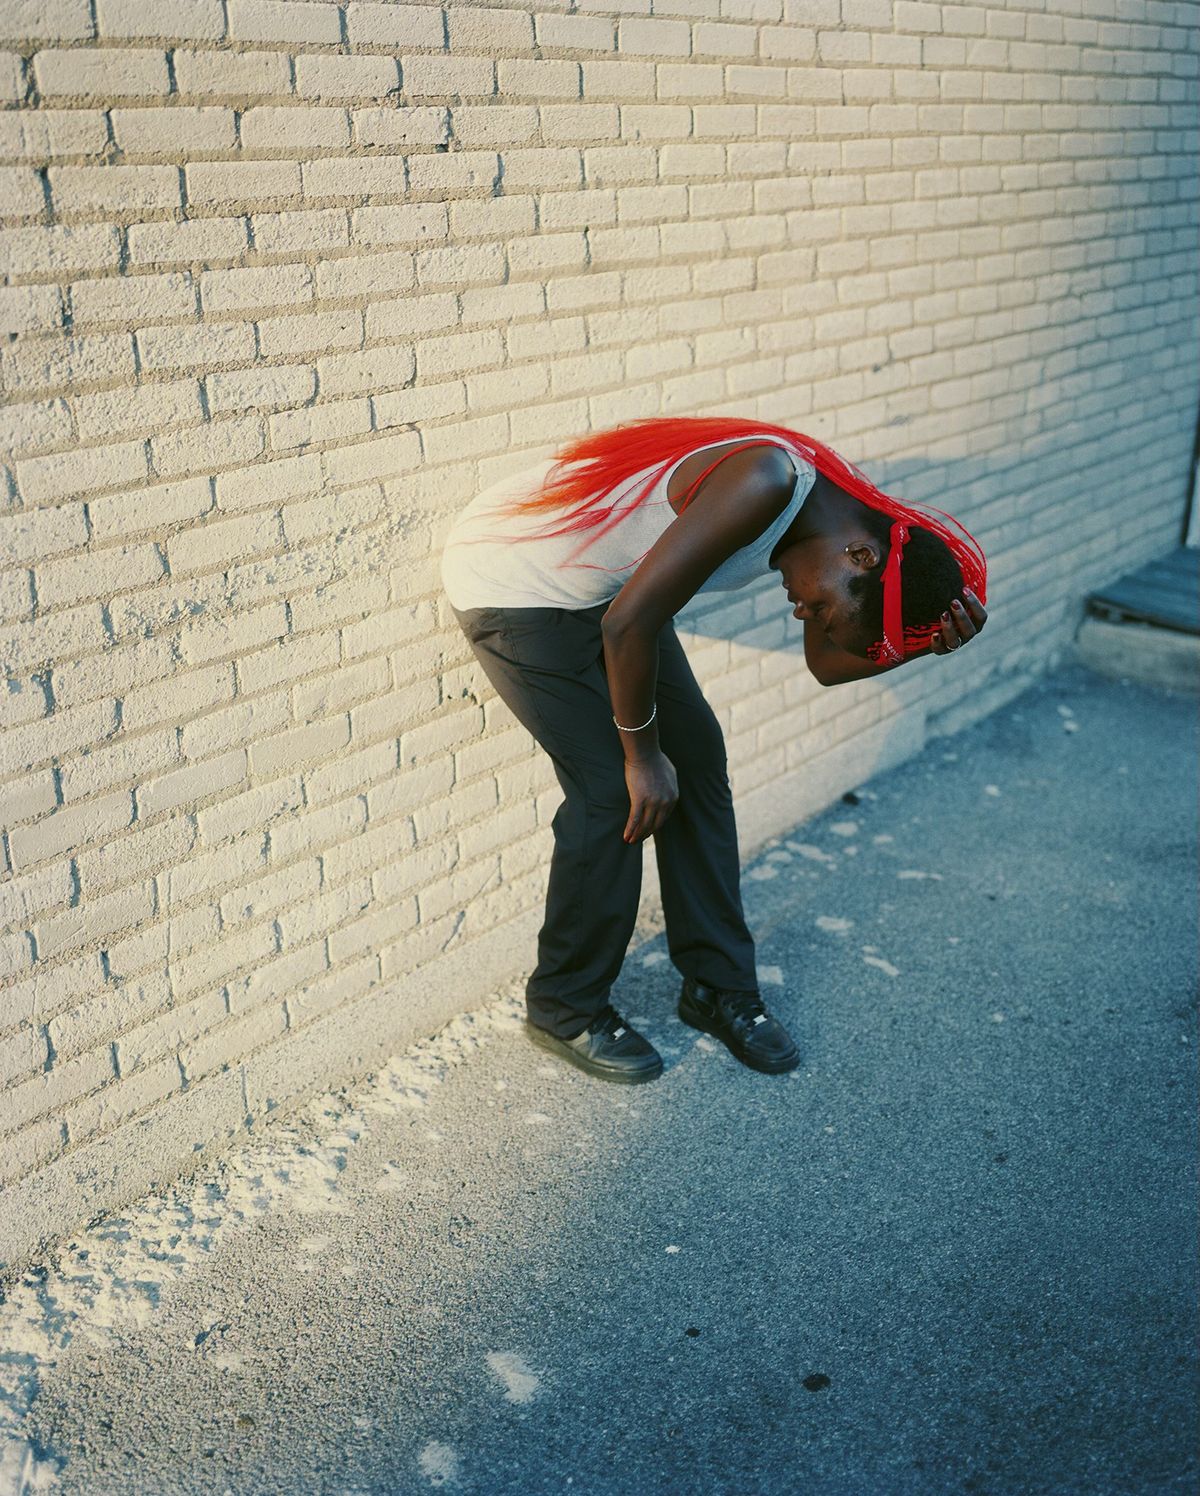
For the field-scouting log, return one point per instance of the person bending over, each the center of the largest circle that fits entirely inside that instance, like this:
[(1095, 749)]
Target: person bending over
[(565, 579)]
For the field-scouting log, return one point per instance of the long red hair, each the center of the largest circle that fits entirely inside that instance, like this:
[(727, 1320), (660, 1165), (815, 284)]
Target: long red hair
[(588, 469)]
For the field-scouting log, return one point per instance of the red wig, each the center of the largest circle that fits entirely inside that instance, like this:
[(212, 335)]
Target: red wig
[(587, 470)]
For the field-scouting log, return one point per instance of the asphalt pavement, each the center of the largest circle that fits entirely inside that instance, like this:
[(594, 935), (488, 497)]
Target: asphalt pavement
[(954, 1251)]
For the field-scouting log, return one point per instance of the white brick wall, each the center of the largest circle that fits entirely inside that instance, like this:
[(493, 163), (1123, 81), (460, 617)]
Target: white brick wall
[(284, 281)]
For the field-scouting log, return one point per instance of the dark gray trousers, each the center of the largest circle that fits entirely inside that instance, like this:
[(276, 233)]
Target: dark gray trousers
[(548, 665)]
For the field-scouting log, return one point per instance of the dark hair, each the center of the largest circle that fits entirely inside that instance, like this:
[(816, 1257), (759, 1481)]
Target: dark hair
[(930, 579)]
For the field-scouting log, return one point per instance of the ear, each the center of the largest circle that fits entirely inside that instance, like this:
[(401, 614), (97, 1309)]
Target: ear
[(864, 554)]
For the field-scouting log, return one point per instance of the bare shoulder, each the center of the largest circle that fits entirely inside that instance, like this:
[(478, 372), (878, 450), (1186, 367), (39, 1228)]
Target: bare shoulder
[(732, 507), (767, 464)]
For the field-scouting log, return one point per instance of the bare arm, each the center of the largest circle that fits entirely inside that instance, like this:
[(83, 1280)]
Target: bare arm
[(631, 663), (831, 666), (733, 506)]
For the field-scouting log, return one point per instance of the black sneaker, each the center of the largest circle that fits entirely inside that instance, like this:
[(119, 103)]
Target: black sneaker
[(608, 1048), (741, 1023)]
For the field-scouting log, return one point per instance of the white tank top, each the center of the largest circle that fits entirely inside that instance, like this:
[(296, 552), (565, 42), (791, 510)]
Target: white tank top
[(495, 572)]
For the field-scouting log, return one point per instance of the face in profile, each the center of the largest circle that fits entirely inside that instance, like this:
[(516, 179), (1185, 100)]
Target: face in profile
[(816, 574)]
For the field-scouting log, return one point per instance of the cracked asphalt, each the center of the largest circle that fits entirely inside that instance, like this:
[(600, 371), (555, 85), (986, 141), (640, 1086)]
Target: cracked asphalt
[(954, 1251)]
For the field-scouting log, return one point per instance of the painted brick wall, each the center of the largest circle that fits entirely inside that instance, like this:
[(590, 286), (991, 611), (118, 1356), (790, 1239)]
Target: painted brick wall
[(284, 281)]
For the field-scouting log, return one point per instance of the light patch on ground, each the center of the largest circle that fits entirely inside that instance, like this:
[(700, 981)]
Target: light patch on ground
[(655, 958), (991, 789), (844, 828), (884, 836), (912, 872), (309, 1250), (763, 872), (814, 854), (439, 1463), (22, 1472), (392, 1180), (834, 924), (769, 976), (885, 966), (519, 1380)]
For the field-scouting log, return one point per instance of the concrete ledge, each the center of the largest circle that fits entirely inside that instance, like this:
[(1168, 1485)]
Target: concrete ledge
[(1140, 652), (178, 1137)]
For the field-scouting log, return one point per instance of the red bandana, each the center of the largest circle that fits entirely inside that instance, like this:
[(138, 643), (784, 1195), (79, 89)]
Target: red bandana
[(892, 644)]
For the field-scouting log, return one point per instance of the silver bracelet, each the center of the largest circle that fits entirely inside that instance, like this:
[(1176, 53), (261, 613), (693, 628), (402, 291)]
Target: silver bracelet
[(646, 723)]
